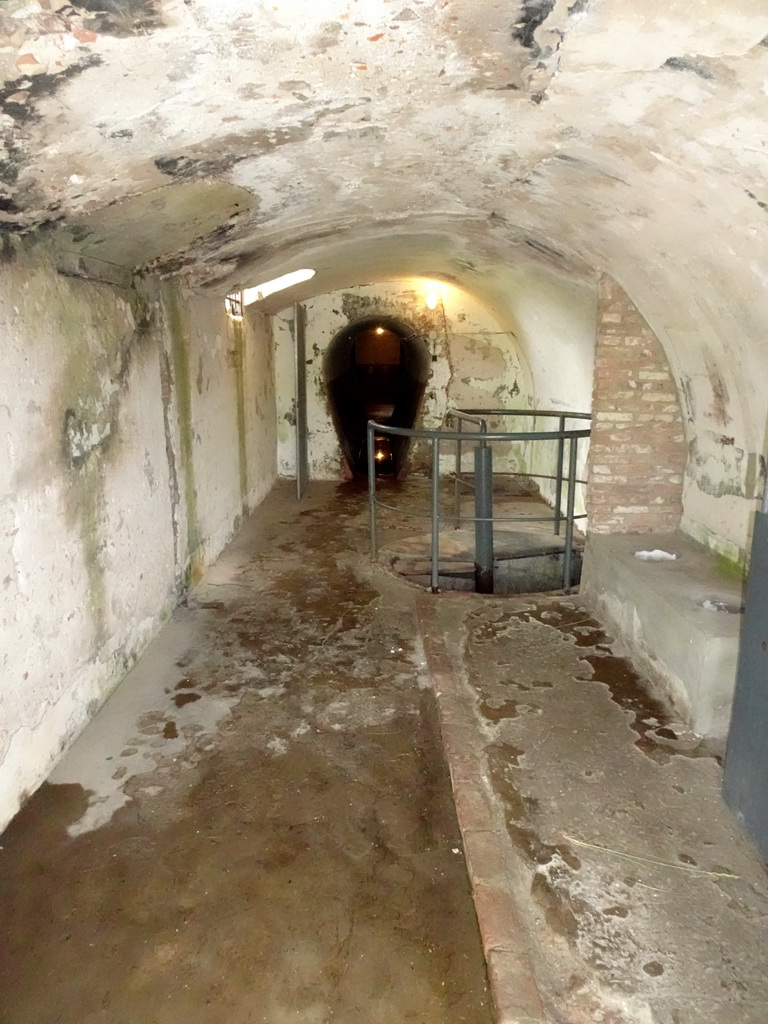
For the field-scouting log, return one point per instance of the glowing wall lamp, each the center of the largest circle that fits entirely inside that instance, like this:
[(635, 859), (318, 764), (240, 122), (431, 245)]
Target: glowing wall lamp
[(431, 299)]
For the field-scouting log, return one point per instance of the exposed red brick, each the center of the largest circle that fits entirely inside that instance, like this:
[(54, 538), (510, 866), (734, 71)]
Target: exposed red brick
[(638, 447)]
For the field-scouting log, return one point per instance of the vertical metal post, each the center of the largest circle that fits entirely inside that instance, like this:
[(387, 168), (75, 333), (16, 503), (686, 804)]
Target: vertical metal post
[(568, 552), (372, 491), (483, 519), (302, 436), (457, 481), (559, 474), (435, 515)]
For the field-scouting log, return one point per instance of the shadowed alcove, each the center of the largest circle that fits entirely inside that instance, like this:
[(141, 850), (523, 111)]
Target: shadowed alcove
[(375, 369)]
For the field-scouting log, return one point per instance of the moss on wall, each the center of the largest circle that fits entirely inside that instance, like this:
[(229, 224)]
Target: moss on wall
[(98, 333), (238, 336), (179, 351)]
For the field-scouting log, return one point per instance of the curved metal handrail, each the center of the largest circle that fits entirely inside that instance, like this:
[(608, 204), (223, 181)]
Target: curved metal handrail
[(461, 416), (422, 433), (527, 412), (485, 439)]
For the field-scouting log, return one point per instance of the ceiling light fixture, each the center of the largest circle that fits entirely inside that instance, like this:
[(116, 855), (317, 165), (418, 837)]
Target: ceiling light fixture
[(261, 291), (236, 302)]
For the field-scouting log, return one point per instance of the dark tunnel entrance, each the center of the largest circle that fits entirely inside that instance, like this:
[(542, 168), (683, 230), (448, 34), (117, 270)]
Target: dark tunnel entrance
[(375, 369)]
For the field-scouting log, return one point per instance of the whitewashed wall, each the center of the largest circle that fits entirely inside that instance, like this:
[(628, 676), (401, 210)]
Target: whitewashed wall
[(532, 348), (554, 318), (477, 362), (120, 479)]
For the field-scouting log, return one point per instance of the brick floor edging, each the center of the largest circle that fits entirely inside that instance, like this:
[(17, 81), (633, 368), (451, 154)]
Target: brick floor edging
[(514, 988)]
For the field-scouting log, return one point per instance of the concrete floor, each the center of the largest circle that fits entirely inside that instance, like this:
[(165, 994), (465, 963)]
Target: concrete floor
[(603, 859), (258, 826)]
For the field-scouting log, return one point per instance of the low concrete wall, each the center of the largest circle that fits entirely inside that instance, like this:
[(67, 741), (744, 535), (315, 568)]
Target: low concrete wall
[(679, 619)]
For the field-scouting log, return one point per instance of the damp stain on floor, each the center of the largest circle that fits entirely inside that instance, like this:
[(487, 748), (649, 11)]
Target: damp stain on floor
[(643, 900), (280, 843), (259, 827)]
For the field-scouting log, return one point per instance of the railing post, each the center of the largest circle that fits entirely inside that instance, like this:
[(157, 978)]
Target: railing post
[(568, 552), (483, 519), (559, 474), (372, 490), (457, 480), (435, 577)]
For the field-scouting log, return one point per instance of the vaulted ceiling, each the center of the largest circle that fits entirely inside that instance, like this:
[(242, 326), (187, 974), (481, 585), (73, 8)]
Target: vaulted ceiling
[(227, 140)]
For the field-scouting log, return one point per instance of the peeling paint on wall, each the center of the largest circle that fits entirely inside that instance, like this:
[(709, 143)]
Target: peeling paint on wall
[(718, 467), (182, 389), (238, 338), (90, 500), (471, 358)]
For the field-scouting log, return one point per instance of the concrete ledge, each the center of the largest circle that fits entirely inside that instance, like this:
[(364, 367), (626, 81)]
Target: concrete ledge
[(678, 619)]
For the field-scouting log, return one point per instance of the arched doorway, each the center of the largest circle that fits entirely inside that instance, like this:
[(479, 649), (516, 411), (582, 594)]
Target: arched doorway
[(375, 369)]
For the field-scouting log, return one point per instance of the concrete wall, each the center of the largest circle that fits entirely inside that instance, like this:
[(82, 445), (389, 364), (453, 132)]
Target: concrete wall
[(479, 362), (124, 433), (530, 346), (553, 317)]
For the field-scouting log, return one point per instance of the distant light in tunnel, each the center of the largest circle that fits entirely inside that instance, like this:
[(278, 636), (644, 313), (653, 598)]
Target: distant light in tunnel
[(261, 291), (379, 330)]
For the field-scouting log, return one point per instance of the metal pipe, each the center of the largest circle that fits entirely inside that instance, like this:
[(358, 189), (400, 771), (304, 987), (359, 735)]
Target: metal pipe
[(483, 519), (457, 485), (568, 552), (435, 515), (372, 488), (559, 484)]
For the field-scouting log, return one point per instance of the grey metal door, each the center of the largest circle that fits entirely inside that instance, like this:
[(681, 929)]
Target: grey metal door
[(302, 455), (745, 784)]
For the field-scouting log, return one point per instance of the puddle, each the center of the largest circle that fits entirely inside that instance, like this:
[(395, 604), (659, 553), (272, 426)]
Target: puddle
[(185, 698), (495, 714)]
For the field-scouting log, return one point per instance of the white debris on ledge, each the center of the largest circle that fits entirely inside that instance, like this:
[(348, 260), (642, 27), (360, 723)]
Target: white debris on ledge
[(657, 555), (717, 606)]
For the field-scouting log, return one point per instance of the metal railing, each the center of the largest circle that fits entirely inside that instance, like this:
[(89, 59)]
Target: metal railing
[(482, 484), (481, 416)]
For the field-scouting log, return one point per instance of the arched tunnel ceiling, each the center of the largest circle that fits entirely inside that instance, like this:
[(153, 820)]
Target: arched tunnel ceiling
[(228, 139)]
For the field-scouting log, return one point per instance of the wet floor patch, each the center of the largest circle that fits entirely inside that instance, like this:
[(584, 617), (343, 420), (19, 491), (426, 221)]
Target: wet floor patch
[(612, 810), (658, 735), (286, 845)]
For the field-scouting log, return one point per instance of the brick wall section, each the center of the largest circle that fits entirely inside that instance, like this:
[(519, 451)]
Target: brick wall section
[(638, 450)]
